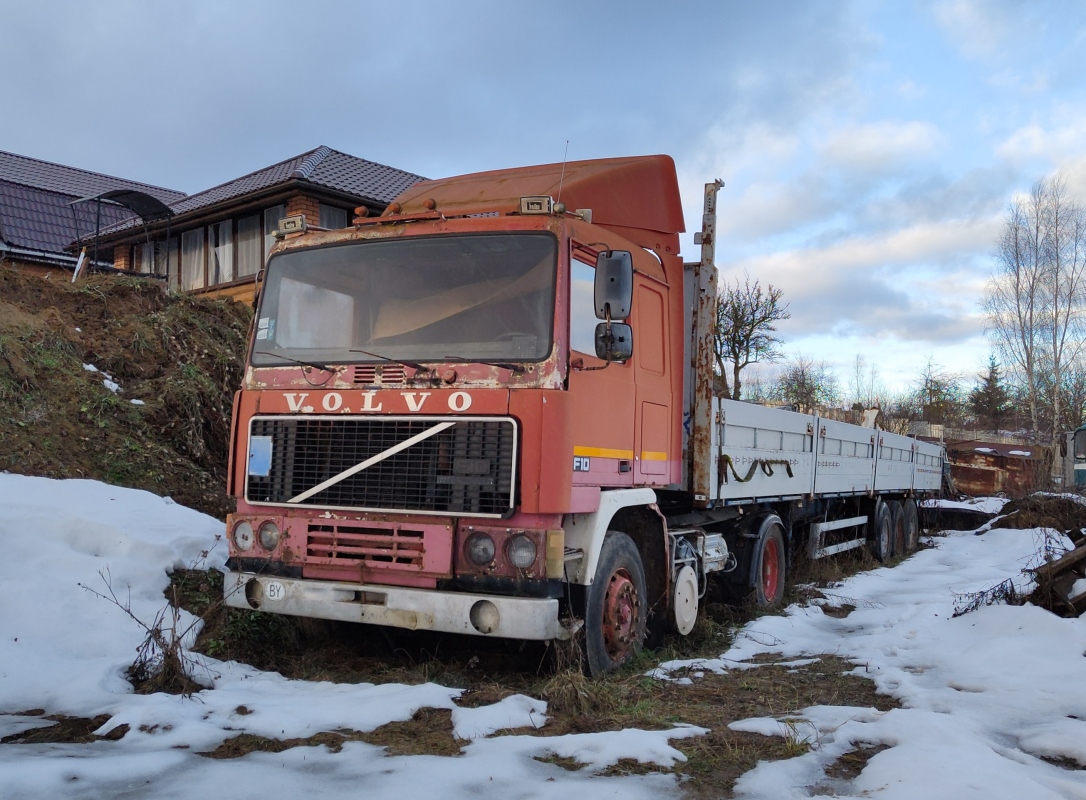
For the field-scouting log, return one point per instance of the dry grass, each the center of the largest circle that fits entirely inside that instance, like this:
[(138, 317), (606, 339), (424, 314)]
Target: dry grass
[(181, 357), (66, 730)]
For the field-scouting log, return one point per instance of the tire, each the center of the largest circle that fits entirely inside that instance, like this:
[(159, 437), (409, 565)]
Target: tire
[(616, 608), (881, 541), (897, 528), (768, 568), (912, 525)]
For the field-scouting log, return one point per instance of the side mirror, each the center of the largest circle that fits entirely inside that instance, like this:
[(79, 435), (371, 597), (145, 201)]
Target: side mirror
[(614, 285), (1080, 441), (614, 342)]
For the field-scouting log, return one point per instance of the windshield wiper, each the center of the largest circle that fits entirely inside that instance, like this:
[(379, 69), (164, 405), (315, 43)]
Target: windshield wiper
[(500, 364), (414, 365), (313, 364)]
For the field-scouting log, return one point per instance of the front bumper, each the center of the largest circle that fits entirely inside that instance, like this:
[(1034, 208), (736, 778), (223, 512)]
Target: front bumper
[(399, 607)]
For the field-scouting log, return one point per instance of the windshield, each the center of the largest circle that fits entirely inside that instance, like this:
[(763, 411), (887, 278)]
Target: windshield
[(478, 297)]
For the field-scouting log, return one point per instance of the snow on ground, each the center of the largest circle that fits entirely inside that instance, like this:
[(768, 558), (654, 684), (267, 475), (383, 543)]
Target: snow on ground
[(65, 650), (985, 505), (986, 695)]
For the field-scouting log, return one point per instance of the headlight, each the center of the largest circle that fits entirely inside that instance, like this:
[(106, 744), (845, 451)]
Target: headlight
[(479, 548), (521, 551), (269, 535), (243, 536)]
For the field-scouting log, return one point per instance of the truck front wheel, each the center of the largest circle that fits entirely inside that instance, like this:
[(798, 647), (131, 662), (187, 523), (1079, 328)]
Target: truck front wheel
[(615, 614)]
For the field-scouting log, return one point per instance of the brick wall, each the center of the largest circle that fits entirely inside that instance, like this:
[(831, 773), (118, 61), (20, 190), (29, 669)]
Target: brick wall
[(122, 256), (301, 204)]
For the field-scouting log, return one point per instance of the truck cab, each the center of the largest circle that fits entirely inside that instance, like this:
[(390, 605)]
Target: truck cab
[(439, 400)]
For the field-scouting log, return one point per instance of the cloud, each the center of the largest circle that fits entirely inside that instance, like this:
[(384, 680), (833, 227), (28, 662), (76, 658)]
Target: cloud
[(1054, 143), (984, 28), (881, 146), (869, 286)]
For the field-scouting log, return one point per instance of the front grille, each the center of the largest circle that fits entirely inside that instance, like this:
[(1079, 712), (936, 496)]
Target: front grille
[(465, 469), (384, 547)]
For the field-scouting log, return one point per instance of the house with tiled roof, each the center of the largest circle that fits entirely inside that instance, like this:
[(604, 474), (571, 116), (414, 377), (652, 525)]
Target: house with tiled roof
[(43, 209), (216, 240)]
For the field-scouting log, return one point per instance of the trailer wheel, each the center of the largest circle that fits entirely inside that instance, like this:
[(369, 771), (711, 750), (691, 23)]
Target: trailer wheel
[(768, 567), (897, 527), (881, 541), (912, 525), (615, 614)]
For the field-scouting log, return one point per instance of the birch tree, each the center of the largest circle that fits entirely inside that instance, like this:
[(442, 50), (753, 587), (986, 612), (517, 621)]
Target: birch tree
[(1036, 300)]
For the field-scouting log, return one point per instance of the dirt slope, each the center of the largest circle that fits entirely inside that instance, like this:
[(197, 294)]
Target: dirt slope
[(180, 356)]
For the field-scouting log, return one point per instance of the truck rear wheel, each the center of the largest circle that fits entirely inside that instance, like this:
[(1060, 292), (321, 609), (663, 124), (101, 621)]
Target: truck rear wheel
[(912, 525), (615, 614), (768, 568), (881, 541), (897, 527)]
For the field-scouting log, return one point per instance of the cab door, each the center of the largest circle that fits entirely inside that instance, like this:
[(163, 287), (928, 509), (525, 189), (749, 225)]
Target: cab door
[(652, 426), (604, 398)]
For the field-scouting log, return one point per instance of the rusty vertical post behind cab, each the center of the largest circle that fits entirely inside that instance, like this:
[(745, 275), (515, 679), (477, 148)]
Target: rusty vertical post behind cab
[(699, 455), (406, 452)]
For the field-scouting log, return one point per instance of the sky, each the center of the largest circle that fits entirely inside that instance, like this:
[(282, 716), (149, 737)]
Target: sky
[(869, 150)]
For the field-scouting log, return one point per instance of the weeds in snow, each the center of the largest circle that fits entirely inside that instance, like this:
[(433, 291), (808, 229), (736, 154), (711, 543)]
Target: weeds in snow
[(163, 663)]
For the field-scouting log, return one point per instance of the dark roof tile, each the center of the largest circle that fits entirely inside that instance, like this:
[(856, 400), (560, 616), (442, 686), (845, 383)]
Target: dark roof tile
[(321, 166), (39, 219), (69, 180)]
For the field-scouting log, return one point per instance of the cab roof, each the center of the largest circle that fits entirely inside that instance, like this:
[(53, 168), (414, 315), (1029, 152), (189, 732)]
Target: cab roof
[(639, 192)]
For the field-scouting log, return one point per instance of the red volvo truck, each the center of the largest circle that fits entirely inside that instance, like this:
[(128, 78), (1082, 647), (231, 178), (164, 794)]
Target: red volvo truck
[(489, 411)]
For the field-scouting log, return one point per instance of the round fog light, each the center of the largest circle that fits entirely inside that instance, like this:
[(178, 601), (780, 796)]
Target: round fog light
[(269, 535), (243, 536), (479, 548), (521, 551), (484, 616)]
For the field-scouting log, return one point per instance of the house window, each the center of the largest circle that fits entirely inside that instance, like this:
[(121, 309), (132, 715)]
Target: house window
[(250, 254), (271, 224), (142, 257), (164, 266), (220, 252), (332, 218), (192, 260)]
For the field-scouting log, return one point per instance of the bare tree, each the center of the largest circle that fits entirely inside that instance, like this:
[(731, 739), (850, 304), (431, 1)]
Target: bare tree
[(1065, 283), (1014, 298), (806, 385), (1074, 393), (745, 318), (1036, 300), (866, 389), (937, 394)]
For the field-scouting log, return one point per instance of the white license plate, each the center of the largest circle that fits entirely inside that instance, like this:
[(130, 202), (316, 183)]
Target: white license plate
[(273, 590)]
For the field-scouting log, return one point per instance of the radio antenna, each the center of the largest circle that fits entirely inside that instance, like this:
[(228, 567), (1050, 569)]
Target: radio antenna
[(563, 175)]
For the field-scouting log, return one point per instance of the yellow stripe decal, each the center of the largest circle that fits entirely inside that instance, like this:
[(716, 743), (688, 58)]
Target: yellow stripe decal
[(602, 452), (650, 455)]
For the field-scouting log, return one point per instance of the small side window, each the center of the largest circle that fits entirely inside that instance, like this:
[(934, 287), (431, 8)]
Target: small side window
[(582, 306)]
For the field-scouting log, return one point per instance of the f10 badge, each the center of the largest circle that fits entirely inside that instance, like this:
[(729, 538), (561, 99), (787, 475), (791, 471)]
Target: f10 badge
[(581, 464)]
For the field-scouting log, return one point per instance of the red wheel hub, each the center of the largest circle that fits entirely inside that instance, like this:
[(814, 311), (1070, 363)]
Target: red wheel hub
[(620, 607), (771, 570)]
